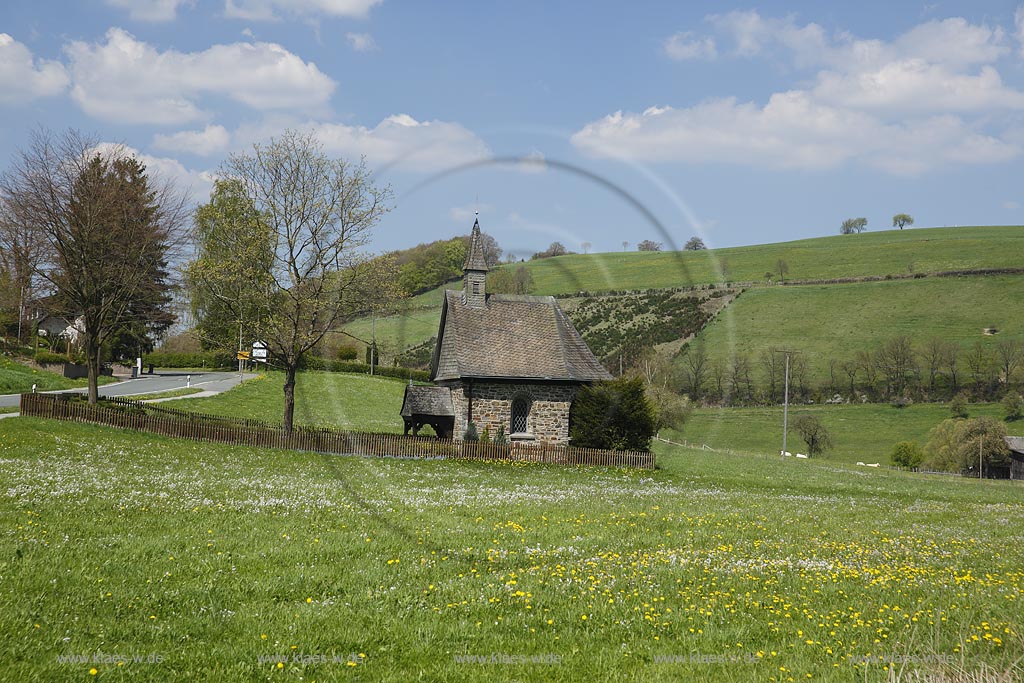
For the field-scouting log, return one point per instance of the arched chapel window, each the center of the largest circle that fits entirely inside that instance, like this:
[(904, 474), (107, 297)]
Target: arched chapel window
[(520, 413)]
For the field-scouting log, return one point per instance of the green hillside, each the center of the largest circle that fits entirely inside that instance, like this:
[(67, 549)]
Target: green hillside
[(875, 254), (826, 322)]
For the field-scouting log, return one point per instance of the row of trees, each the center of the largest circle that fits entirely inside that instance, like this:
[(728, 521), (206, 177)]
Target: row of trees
[(852, 226), (899, 369)]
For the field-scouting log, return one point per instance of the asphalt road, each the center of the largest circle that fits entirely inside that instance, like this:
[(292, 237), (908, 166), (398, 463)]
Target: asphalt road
[(158, 382)]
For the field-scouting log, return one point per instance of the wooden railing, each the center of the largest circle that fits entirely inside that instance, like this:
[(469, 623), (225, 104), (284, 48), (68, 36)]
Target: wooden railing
[(137, 416)]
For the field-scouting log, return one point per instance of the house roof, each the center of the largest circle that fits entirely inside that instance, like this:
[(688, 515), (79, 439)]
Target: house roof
[(435, 401), (475, 255), (511, 337), (1016, 443)]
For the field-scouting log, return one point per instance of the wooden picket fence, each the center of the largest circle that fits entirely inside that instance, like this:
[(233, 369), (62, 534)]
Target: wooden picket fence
[(128, 414)]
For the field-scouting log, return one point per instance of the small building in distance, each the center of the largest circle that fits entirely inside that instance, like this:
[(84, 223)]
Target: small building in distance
[(1016, 445), (432, 406), (510, 363)]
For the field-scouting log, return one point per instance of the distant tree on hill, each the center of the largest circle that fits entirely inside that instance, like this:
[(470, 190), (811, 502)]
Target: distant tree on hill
[(958, 445), (508, 281), (1013, 404), (694, 244), (814, 433), (648, 245), (554, 249), (907, 454), (782, 268), (625, 245), (901, 219), (852, 225), (585, 246)]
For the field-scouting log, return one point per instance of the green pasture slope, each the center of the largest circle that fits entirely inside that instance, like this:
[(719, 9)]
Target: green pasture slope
[(211, 563), (892, 252), (322, 399), (835, 321), (861, 433)]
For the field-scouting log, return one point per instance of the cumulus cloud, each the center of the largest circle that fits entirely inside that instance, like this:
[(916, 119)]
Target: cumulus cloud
[(207, 142), (150, 10), (129, 81), (683, 46), (402, 142), (24, 78), (932, 96), (270, 10), (361, 42)]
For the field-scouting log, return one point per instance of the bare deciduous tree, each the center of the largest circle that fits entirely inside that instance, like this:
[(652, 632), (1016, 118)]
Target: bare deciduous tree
[(320, 213)]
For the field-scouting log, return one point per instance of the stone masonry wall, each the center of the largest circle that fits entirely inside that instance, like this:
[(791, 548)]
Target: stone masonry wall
[(548, 421)]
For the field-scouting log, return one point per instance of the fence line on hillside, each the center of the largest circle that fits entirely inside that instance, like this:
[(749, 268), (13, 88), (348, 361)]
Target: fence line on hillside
[(128, 414)]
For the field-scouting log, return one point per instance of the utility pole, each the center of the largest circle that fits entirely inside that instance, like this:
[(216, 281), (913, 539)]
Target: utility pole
[(981, 441), (21, 312), (373, 339), (785, 404), (239, 351)]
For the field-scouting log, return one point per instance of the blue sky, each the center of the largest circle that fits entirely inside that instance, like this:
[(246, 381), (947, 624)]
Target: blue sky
[(740, 123)]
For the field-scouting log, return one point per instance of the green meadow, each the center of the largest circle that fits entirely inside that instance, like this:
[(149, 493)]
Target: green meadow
[(322, 399), (861, 433), (135, 557)]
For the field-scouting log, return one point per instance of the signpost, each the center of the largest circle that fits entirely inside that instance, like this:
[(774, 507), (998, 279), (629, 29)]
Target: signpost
[(259, 352)]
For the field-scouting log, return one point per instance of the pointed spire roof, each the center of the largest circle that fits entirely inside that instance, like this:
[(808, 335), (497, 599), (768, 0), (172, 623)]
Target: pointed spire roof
[(475, 255)]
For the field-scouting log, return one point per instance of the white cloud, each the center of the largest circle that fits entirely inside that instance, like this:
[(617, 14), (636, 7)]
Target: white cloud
[(361, 42), (270, 10), (1018, 29), (150, 10), (932, 96), (683, 46), (24, 78), (209, 141), (791, 131), (532, 162), (405, 143), (129, 81), (1011, 205)]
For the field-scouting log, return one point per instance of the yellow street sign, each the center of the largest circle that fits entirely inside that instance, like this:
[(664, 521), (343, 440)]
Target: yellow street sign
[(242, 355)]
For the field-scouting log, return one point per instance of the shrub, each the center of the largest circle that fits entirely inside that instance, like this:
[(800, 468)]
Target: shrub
[(202, 359), (501, 439), (485, 436), (907, 454), (614, 415), (958, 406), (470, 434), (1013, 404), (347, 353), (48, 358)]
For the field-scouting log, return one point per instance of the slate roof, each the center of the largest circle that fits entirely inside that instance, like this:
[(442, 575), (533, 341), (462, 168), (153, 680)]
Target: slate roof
[(1016, 443), (475, 254), (427, 401), (512, 337)]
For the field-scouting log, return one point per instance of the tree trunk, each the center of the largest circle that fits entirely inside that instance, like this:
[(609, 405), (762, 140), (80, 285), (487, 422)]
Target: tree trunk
[(289, 398), (92, 364)]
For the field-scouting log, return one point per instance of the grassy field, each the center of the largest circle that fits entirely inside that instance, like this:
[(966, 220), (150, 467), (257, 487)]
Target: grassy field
[(16, 378), (863, 433), (324, 399), (868, 254), (836, 321), (209, 562)]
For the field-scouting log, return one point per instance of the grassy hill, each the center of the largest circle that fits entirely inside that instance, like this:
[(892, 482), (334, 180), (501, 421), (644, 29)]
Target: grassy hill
[(826, 322), (244, 564), (876, 254)]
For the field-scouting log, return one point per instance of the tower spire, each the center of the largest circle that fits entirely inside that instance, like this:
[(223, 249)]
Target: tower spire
[(474, 278)]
